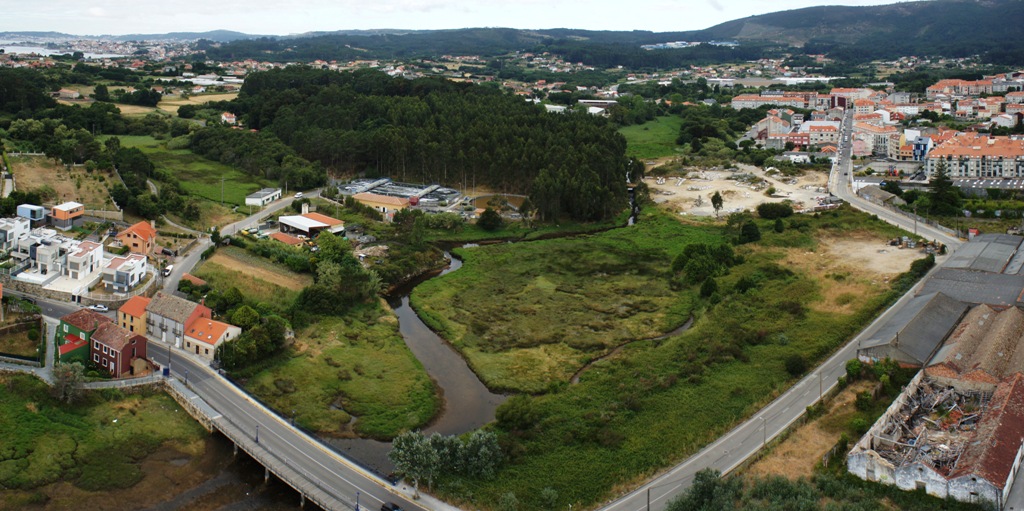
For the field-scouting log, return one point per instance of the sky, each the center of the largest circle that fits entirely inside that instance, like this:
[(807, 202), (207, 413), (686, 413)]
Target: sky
[(282, 17)]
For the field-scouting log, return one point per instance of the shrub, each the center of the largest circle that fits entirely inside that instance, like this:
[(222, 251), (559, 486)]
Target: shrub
[(749, 233), (795, 365), (708, 288), (779, 226), (854, 368), (864, 401), (771, 210)]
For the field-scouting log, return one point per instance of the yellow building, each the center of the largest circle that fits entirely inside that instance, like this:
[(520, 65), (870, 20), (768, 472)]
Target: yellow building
[(132, 315)]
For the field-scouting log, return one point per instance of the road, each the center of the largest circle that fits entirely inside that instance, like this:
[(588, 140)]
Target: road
[(184, 264), (746, 439), (322, 467)]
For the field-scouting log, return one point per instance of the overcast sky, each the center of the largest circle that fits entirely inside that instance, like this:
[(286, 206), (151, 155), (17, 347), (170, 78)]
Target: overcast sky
[(280, 17)]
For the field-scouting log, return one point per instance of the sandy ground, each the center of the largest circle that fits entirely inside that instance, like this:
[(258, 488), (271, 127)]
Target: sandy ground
[(682, 195), (798, 454)]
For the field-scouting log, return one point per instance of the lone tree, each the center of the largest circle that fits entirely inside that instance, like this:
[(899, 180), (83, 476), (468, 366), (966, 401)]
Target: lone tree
[(67, 381), (489, 220), (716, 202), (943, 196)]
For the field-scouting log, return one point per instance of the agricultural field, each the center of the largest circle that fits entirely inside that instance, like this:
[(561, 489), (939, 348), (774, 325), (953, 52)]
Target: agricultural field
[(648, 403), (102, 443), (356, 367), (259, 279), (653, 139), (170, 104), (39, 172)]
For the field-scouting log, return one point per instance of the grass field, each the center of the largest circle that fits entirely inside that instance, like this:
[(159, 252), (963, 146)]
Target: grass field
[(357, 366), (259, 279), (554, 310), (653, 139), (95, 444), (91, 189), (653, 402), (172, 103)]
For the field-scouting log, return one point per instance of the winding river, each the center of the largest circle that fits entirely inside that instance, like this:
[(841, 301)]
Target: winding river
[(466, 403)]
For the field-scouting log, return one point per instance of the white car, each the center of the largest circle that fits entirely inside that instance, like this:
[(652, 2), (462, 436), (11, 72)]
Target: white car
[(99, 307), (298, 195)]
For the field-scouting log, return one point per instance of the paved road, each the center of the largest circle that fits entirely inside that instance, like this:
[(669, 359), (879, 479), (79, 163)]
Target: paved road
[(323, 467), (731, 449)]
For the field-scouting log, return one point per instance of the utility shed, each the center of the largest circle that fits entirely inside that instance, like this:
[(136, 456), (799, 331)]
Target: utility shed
[(915, 332)]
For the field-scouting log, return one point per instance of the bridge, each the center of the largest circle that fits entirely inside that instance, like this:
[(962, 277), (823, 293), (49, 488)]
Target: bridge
[(315, 471)]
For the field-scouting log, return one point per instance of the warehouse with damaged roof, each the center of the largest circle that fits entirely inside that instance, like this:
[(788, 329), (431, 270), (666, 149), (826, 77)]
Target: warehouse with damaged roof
[(957, 430)]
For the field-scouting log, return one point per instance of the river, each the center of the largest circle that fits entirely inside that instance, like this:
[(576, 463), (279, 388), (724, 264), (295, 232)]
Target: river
[(466, 403)]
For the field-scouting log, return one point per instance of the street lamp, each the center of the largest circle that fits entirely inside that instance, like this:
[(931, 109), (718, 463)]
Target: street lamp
[(257, 433), (764, 427), (357, 500), (186, 377)]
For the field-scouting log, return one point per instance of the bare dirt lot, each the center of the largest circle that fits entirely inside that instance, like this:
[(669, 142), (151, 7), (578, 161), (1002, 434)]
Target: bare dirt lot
[(240, 261), (34, 172), (691, 195), (798, 454)]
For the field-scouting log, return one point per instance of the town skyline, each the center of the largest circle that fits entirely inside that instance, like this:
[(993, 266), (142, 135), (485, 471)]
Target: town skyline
[(262, 17)]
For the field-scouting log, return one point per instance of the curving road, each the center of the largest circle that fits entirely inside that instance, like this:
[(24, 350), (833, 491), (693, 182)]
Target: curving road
[(746, 439)]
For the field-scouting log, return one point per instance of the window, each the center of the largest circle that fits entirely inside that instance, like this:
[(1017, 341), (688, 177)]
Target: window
[(65, 329), (96, 357), (96, 344), (105, 352), (207, 351)]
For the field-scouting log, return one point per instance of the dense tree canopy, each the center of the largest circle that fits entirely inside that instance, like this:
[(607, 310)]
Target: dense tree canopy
[(435, 130)]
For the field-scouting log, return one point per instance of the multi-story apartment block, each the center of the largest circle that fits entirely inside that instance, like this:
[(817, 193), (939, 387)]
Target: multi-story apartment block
[(973, 155)]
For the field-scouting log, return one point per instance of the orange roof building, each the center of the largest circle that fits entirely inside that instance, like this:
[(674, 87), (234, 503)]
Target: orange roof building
[(139, 238), (132, 315), (203, 335), (973, 155)]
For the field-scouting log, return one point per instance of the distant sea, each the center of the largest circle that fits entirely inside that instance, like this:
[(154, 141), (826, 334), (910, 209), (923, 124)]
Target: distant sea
[(39, 50)]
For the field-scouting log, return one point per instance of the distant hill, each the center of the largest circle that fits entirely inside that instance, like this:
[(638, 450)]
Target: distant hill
[(952, 28)]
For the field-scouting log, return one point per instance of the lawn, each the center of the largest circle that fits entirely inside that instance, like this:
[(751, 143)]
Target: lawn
[(357, 366), (89, 188), (259, 279), (653, 402), (653, 139), (95, 444)]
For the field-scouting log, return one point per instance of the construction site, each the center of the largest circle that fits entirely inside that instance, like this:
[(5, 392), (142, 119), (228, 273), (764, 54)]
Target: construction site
[(957, 429)]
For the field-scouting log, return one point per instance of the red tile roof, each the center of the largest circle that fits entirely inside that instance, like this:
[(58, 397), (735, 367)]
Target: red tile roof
[(207, 330), (287, 239), (323, 219), (193, 279), (142, 229), (85, 319), (135, 306), (990, 454)]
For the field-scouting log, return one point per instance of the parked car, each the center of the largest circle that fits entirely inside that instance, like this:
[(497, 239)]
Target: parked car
[(390, 506), (99, 307), (168, 270)]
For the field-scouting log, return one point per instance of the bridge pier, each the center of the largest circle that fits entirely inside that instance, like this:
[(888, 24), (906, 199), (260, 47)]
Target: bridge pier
[(266, 475), (234, 450), (302, 501)]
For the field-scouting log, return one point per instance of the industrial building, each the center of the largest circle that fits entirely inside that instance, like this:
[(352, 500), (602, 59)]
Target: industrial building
[(263, 197)]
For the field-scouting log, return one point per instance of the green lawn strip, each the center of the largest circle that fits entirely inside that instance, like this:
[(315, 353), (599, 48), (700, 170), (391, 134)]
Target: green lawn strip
[(96, 443), (653, 139), (352, 366), (560, 302)]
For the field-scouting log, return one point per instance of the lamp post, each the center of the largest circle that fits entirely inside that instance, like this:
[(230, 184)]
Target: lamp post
[(357, 500), (186, 377), (257, 433), (764, 427), (820, 393)]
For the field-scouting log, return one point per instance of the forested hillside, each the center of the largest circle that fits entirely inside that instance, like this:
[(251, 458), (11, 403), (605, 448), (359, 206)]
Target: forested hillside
[(437, 131)]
